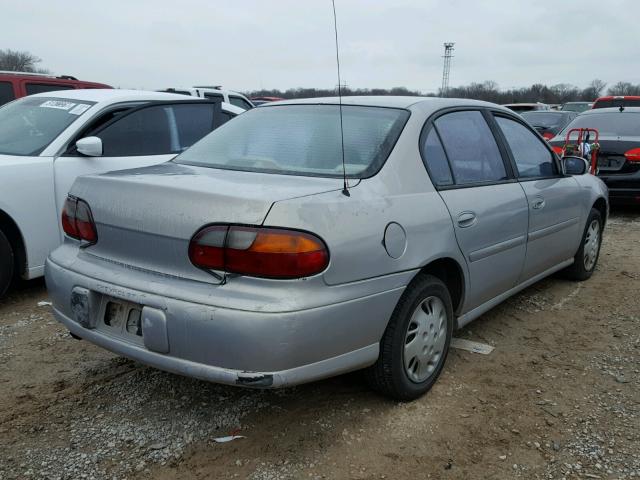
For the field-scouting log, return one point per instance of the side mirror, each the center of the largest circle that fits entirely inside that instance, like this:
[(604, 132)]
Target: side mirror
[(90, 146), (575, 165)]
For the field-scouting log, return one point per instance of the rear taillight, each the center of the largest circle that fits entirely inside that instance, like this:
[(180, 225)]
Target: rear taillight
[(77, 220), (633, 155), (558, 150), (258, 251), (548, 135)]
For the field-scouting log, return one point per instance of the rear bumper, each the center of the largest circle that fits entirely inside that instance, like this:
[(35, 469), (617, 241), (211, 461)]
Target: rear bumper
[(235, 347), (623, 189)]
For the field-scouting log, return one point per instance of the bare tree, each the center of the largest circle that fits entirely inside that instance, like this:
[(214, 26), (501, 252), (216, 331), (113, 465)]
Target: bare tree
[(19, 61), (624, 88)]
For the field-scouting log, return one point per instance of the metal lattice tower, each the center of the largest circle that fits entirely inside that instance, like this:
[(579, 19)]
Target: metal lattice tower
[(448, 49)]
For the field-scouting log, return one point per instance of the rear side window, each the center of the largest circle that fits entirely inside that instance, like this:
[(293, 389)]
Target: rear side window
[(240, 102), (6, 92), (532, 157), (33, 88), (213, 96), (436, 160), (471, 148)]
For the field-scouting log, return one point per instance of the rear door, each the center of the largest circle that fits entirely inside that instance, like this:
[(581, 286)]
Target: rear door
[(138, 137), (555, 201), (487, 206)]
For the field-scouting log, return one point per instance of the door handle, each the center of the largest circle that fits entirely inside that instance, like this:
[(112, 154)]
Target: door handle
[(467, 219), (538, 203)]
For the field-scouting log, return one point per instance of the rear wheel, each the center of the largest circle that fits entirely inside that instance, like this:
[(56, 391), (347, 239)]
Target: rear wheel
[(416, 342), (6, 263), (586, 258)]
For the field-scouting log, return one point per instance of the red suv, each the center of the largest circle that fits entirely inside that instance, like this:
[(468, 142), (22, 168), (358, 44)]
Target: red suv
[(20, 84), (617, 101)]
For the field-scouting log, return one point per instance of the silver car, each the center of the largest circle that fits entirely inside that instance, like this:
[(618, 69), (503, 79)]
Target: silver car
[(262, 257)]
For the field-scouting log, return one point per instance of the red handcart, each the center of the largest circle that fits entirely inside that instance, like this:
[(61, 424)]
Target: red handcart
[(582, 146)]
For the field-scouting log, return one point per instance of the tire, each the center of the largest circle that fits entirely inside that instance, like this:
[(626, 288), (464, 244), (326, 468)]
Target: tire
[(586, 259), (6, 264), (425, 307)]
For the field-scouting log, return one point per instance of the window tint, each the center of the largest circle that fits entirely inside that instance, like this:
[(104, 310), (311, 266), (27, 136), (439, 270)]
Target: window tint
[(434, 157), (6, 92), (33, 88), (240, 102), (145, 132), (471, 148), (193, 123), (532, 158)]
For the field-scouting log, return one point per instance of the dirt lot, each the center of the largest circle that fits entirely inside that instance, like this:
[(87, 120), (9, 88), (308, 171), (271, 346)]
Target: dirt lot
[(558, 398)]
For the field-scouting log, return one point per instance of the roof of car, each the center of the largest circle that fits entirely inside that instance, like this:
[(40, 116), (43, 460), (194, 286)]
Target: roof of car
[(384, 101), (111, 95), (596, 111)]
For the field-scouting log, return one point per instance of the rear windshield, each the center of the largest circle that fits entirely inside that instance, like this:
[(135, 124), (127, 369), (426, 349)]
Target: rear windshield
[(623, 124), (618, 102), (28, 125), (548, 120), (302, 140)]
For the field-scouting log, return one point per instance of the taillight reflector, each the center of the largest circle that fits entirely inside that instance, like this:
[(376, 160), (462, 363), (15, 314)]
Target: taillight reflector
[(548, 135), (633, 155), (77, 220), (258, 251), (558, 150)]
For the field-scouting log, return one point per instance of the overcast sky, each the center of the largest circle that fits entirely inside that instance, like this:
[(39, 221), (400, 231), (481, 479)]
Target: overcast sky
[(252, 44)]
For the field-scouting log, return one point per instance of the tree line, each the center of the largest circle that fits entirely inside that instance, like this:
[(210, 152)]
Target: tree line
[(488, 91)]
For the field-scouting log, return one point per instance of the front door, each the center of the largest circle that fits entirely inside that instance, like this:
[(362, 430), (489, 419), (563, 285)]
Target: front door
[(487, 206), (555, 200)]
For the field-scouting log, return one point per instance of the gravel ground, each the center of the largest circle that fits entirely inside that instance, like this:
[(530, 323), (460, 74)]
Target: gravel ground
[(558, 398)]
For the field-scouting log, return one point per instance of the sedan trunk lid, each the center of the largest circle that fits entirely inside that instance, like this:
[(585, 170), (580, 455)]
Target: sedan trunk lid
[(146, 217)]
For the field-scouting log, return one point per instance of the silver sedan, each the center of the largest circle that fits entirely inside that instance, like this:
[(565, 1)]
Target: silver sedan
[(282, 249)]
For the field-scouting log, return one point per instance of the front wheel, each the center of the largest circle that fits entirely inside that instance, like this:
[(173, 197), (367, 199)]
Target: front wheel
[(585, 260), (6, 264), (415, 344)]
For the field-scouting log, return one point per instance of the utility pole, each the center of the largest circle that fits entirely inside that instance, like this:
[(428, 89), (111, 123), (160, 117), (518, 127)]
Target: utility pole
[(448, 49)]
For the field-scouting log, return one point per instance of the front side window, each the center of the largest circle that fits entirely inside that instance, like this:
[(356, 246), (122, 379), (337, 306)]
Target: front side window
[(157, 130), (531, 156), (302, 140), (144, 132), (471, 148), (33, 88), (6, 92), (29, 125)]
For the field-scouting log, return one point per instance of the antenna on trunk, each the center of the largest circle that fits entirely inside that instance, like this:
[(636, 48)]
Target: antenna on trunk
[(345, 189)]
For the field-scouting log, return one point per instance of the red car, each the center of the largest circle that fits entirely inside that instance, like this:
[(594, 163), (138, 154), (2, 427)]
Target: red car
[(617, 101), (20, 84)]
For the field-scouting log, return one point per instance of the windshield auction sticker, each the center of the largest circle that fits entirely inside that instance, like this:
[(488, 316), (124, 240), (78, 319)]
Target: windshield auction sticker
[(59, 104), (79, 109)]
